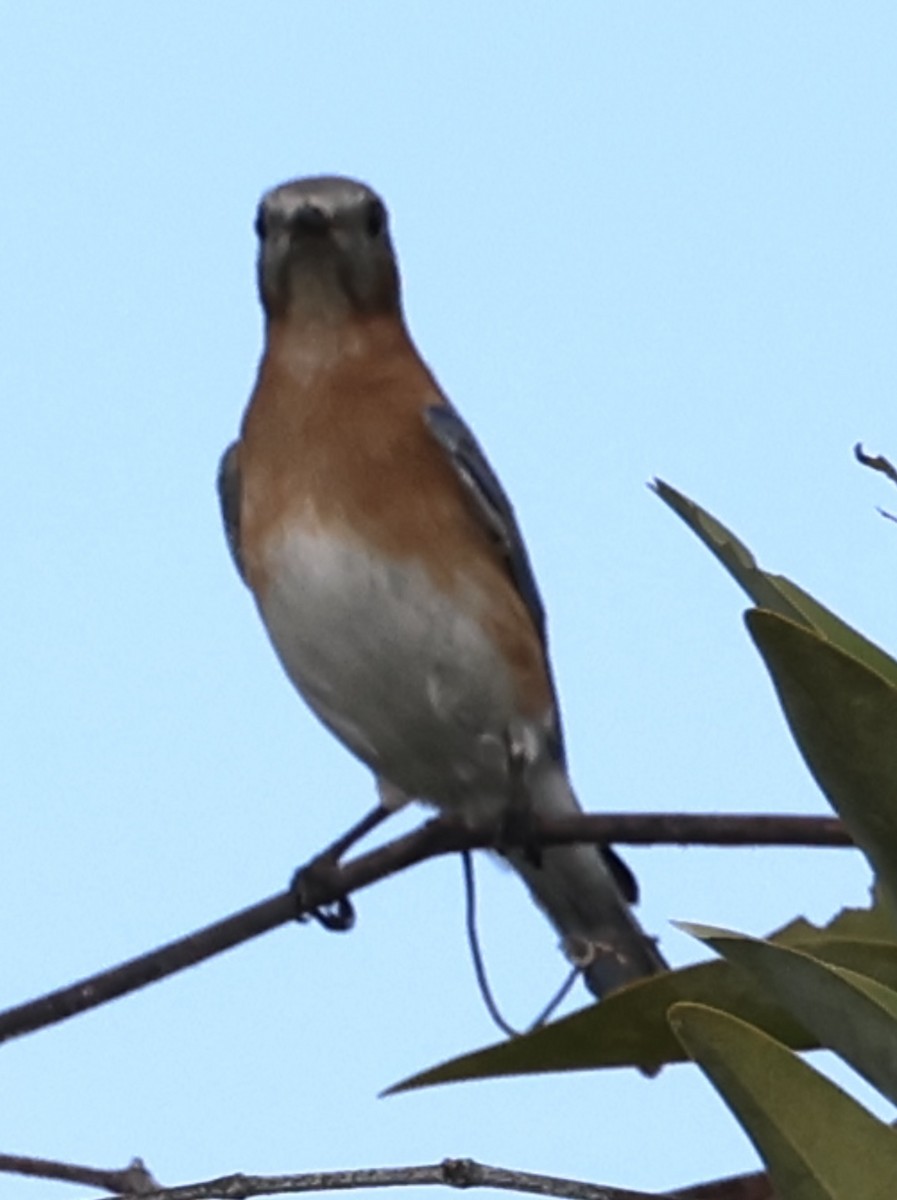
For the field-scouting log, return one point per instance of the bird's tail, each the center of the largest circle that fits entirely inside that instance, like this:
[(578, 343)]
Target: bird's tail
[(579, 889)]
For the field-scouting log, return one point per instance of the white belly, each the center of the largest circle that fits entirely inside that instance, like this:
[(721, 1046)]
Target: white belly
[(400, 671)]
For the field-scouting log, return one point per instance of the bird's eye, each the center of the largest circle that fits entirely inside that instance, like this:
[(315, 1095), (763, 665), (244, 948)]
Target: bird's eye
[(375, 218), (261, 223)]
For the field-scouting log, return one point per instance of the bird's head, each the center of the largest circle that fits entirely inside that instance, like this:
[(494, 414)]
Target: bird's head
[(324, 251)]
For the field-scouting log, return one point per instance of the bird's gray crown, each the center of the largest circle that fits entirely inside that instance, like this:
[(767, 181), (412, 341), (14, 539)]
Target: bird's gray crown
[(324, 248), (328, 200)]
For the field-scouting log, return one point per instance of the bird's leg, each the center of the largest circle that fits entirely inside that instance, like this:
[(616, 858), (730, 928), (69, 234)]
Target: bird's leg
[(356, 832), (338, 915)]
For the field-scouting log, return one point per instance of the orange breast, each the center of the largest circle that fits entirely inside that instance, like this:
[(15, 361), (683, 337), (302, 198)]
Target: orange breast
[(334, 437)]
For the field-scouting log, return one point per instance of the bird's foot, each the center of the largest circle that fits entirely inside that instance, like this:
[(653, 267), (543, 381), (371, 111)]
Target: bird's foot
[(312, 880), (341, 847), (320, 876)]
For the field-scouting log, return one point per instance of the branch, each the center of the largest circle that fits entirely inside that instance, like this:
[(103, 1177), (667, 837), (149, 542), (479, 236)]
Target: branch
[(877, 462), (325, 882), (452, 1172), (134, 1180), (736, 1187), (692, 829)]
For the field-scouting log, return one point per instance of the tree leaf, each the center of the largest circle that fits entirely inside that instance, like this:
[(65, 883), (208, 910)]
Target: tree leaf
[(817, 1142), (844, 719), (630, 1028), (848, 1012), (774, 592), (856, 924)]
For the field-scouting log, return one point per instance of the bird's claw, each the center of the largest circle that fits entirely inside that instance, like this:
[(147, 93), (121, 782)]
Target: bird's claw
[(336, 915)]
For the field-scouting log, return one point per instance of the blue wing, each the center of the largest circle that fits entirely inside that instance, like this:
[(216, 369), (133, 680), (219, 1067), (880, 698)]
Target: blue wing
[(497, 514), (229, 499), (491, 502)]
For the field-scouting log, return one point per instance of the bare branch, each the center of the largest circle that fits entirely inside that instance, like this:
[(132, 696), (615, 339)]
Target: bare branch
[(134, 1180), (325, 882), (877, 462), (693, 829), (452, 1172), (737, 1187)]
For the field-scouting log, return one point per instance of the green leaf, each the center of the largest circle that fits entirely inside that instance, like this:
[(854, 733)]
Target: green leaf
[(856, 924), (844, 719), (731, 552), (628, 1028), (875, 960), (848, 1012), (774, 592), (836, 631), (817, 1142)]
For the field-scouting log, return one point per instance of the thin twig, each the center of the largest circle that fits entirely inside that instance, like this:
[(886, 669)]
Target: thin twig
[(479, 962), (134, 1180), (436, 837), (691, 829), (756, 1186), (556, 1000), (877, 462), (476, 952), (452, 1172), (324, 888)]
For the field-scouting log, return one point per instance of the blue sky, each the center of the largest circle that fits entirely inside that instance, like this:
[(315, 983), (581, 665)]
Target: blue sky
[(637, 239)]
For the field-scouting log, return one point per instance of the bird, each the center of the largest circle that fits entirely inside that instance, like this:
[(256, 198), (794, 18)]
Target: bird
[(389, 569)]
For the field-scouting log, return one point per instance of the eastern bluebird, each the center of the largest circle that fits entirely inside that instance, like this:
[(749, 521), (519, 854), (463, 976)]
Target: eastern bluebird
[(388, 566)]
